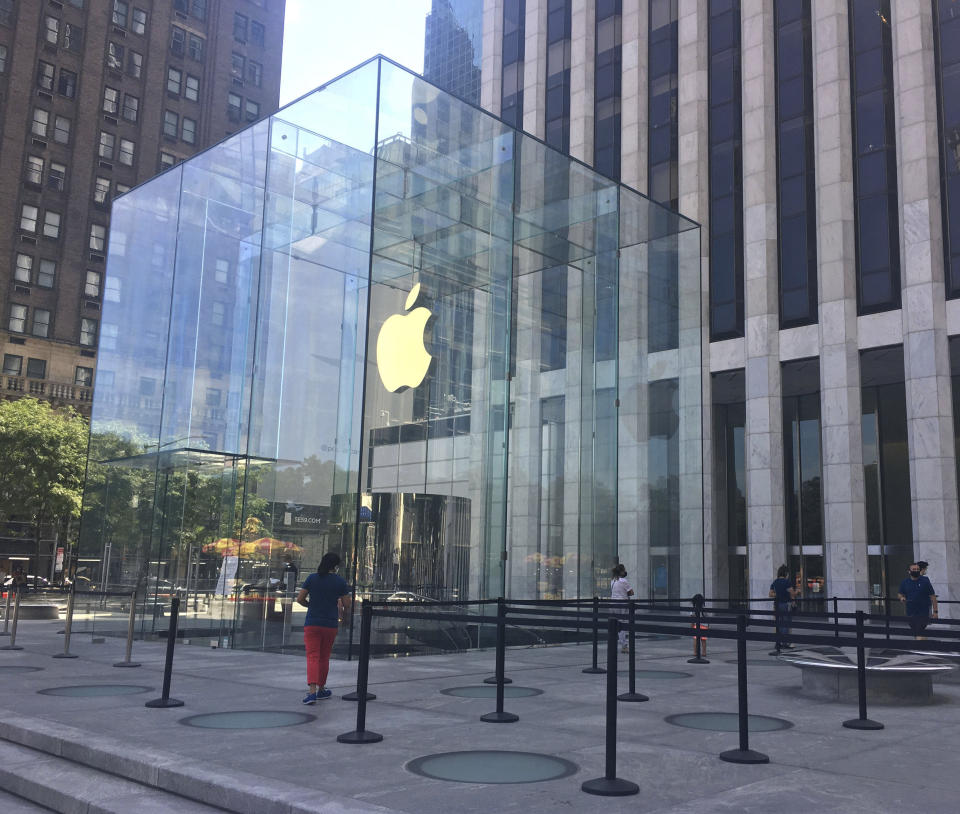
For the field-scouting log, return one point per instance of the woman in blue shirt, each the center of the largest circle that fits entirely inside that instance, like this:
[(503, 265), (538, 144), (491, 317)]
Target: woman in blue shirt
[(326, 596), (784, 592)]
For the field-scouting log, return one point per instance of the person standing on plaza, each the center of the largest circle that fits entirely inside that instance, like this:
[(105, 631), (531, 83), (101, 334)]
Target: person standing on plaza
[(921, 600), (784, 592), (326, 596), (620, 590)]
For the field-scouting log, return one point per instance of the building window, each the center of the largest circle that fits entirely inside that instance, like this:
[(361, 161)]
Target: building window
[(254, 73), (33, 172), (101, 190), (57, 176), (6, 12), (122, 188), (553, 318), (98, 237), (23, 271), (139, 21), (174, 81), (18, 318), (730, 477), (875, 157), (46, 273), (45, 72), (195, 47), (234, 102), (189, 130), (257, 33), (12, 364), (131, 107), (662, 106), (51, 224), (167, 160), (221, 270), (41, 323), (91, 287), (36, 368), (134, 64), (40, 123), (198, 8), (61, 130), (88, 332), (557, 101), (72, 37), (67, 86), (948, 81), (114, 56), (3, 58), (217, 314), (83, 377), (239, 27), (253, 110), (51, 29), (237, 65), (112, 290), (606, 127), (178, 41), (126, 154), (726, 171), (111, 100), (511, 91), (191, 88), (120, 13), (107, 144), (28, 218), (171, 123)]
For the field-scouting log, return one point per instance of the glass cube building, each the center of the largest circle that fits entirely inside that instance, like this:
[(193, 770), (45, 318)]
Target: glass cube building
[(384, 323)]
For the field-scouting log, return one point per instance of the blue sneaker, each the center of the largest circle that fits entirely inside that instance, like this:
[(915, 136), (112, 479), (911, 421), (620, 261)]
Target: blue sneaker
[(310, 699), (322, 695)]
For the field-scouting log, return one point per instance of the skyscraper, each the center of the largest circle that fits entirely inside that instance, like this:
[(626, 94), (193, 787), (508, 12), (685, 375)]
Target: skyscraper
[(451, 54), (96, 96)]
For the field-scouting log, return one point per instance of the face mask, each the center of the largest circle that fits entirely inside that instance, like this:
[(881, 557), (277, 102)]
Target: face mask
[(914, 575)]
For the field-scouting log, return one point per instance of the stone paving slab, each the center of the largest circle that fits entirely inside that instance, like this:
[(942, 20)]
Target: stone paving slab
[(815, 765)]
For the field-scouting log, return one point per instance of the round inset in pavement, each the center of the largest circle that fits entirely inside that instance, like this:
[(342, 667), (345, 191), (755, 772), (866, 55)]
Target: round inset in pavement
[(656, 674), (487, 766), (727, 722), (490, 691), (248, 719), (95, 690), (19, 668)]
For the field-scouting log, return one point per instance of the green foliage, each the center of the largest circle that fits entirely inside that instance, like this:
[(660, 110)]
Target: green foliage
[(43, 455)]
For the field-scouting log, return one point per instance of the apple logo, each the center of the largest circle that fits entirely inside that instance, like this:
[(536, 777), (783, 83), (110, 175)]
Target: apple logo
[(402, 358)]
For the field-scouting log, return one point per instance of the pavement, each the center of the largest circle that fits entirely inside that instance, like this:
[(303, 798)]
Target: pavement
[(112, 754)]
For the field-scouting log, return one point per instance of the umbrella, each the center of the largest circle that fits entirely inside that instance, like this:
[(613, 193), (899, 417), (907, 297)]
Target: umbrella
[(266, 545), (227, 546)]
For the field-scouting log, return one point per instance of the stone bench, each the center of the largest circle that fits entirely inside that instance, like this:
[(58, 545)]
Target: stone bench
[(31, 611), (893, 676)]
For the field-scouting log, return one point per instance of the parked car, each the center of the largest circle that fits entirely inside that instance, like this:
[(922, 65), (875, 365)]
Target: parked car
[(34, 583)]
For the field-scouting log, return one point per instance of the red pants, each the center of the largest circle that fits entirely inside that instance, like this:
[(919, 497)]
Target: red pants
[(319, 642)]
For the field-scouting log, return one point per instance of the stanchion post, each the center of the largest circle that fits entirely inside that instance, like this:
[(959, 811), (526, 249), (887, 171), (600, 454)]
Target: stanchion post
[(610, 785), (886, 613), (501, 613), (593, 668), (632, 694), (6, 614), (13, 630), (744, 754), (698, 626), (131, 624), (499, 716), (360, 734), (165, 701), (836, 619), (355, 694), (68, 626), (863, 722)]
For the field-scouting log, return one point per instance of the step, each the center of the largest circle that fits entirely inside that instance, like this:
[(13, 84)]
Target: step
[(65, 786)]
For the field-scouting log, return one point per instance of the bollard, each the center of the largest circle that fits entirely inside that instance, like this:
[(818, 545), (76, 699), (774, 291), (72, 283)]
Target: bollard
[(836, 619), (165, 700), (596, 634), (632, 694), (698, 622), (13, 630), (744, 754), (131, 622), (496, 679), (68, 626), (360, 734), (610, 785), (886, 613), (500, 717), (6, 615), (863, 722)]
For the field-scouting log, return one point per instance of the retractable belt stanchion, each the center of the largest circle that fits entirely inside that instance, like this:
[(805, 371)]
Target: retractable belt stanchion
[(501, 612), (836, 619), (632, 694), (165, 700), (6, 615), (610, 785), (68, 626), (744, 754), (131, 623), (593, 668), (13, 629), (863, 722), (361, 734), (698, 627), (499, 716)]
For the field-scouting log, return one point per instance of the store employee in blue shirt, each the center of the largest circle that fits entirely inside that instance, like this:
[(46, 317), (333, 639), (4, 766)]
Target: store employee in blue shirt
[(921, 600)]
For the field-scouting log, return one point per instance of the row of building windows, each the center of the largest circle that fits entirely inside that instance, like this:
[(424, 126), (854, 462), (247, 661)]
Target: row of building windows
[(37, 369), (133, 19), (246, 71), (42, 272), (39, 321), (66, 35), (48, 223), (239, 109), (663, 147), (247, 30), (47, 80), (511, 95), (606, 129), (557, 100)]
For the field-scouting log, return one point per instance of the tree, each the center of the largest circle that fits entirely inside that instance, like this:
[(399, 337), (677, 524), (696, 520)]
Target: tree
[(43, 454)]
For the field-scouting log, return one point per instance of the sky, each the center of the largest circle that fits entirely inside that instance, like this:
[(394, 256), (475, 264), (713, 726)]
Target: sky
[(324, 38)]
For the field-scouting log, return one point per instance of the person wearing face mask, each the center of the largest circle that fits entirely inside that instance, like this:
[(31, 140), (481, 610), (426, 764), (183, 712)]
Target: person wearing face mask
[(921, 601)]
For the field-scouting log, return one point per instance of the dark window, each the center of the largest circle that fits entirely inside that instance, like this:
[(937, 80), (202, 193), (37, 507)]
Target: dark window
[(948, 87), (511, 94), (606, 129), (45, 73), (557, 102), (553, 319), (178, 41), (663, 184), (796, 184), (730, 479), (36, 368), (239, 27), (875, 171), (726, 175), (67, 85), (257, 33)]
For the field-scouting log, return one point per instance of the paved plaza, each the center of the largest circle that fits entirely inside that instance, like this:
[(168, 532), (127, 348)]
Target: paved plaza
[(109, 753)]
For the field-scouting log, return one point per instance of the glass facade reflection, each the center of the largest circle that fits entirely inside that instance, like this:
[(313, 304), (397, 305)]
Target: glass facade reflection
[(383, 322)]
